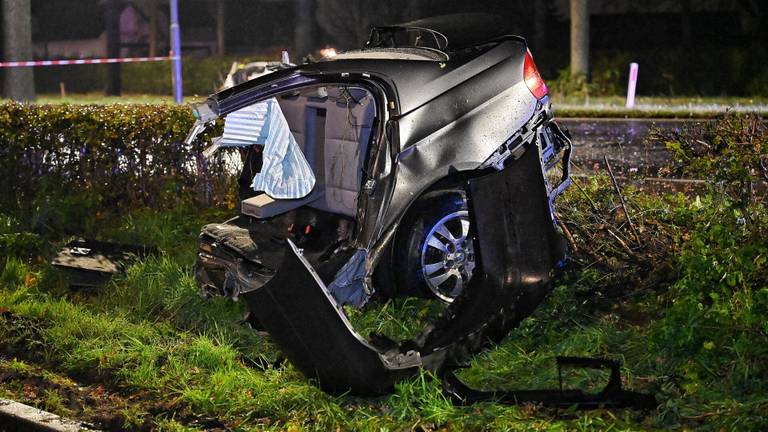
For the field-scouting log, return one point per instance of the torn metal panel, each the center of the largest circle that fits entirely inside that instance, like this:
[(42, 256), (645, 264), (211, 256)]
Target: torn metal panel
[(305, 320), (518, 241), (518, 251)]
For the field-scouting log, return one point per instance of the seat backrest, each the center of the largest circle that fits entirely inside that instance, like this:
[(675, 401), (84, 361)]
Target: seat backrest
[(333, 132), (348, 125), (294, 111)]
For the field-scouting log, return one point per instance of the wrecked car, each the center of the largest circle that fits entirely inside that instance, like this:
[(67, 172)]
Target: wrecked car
[(426, 164), (242, 72)]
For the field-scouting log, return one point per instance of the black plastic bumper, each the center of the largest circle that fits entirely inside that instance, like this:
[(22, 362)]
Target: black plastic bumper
[(311, 328)]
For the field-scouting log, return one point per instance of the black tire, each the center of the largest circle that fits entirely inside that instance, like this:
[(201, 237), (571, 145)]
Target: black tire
[(408, 246)]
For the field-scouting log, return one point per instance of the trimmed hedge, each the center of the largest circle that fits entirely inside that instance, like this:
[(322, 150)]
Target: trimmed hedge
[(117, 156)]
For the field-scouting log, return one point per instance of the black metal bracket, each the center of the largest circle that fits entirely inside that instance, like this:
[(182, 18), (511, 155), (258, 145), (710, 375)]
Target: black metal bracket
[(612, 395)]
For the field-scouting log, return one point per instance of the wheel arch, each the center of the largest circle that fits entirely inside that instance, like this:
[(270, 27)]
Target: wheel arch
[(383, 258)]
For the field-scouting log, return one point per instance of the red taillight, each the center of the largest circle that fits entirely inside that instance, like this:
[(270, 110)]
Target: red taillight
[(532, 78)]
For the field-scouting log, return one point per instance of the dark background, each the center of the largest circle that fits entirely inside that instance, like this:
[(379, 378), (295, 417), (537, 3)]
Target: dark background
[(685, 47)]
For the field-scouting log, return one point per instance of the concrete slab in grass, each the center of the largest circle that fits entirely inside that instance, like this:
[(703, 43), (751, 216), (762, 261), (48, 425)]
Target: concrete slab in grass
[(15, 416)]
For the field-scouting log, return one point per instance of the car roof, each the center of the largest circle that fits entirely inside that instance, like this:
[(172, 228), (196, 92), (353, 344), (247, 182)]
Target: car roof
[(416, 81)]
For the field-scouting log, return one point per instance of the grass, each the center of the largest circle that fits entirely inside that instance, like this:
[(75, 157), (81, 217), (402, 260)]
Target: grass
[(151, 338), (656, 106), (685, 310), (204, 373)]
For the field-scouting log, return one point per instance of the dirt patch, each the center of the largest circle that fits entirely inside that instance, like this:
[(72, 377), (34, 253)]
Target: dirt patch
[(21, 337), (43, 389), (92, 398)]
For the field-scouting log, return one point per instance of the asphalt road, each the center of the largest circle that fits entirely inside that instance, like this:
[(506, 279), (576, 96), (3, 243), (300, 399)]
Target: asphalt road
[(624, 141)]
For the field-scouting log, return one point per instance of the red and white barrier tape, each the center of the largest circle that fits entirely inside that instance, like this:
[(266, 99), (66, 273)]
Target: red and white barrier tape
[(13, 64)]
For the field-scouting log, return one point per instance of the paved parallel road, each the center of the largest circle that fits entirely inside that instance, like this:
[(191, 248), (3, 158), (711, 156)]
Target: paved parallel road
[(622, 140)]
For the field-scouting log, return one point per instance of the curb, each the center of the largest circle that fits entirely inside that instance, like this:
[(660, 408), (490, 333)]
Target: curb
[(15, 416)]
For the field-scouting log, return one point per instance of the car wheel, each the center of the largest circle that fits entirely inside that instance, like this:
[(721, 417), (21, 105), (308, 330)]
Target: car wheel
[(434, 253)]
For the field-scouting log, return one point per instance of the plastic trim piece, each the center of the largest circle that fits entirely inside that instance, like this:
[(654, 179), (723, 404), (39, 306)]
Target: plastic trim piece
[(611, 396)]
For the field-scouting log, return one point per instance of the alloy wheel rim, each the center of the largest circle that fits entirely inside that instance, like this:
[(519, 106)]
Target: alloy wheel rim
[(448, 257)]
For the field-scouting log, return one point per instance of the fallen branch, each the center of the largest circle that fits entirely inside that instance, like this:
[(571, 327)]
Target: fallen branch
[(568, 236), (589, 198), (621, 199), (622, 243)]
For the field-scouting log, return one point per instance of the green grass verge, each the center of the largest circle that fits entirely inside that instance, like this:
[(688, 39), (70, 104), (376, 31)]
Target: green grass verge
[(684, 307), (204, 370), (657, 107), (149, 334)]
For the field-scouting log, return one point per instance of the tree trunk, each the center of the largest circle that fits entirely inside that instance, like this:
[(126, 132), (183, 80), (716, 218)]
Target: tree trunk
[(17, 24), (112, 23), (414, 10), (303, 30), (751, 15), (686, 38), (220, 27), (152, 27), (579, 37)]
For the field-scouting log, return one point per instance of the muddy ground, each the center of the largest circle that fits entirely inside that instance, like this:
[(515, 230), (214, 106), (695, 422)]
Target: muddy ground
[(94, 398), (625, 142)]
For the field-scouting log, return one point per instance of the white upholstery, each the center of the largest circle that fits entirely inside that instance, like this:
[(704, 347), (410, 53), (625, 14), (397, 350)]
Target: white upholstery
[(336, 162), (294, 111), (347, 132)]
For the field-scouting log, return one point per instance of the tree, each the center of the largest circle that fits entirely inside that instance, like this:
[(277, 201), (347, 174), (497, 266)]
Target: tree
[(752, 14), (221, 40), (153, 34), (304, 29), (579, 37), (540, 24), (350, 21), (112, 22), (686, 26), (17, 35)]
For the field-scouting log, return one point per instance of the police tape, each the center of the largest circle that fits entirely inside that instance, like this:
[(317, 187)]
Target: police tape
[(37, 63)]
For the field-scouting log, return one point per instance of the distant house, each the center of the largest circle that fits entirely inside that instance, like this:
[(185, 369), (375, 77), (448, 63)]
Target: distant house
[(135, 30), (90, 41), (134, 38), (73, 48)]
